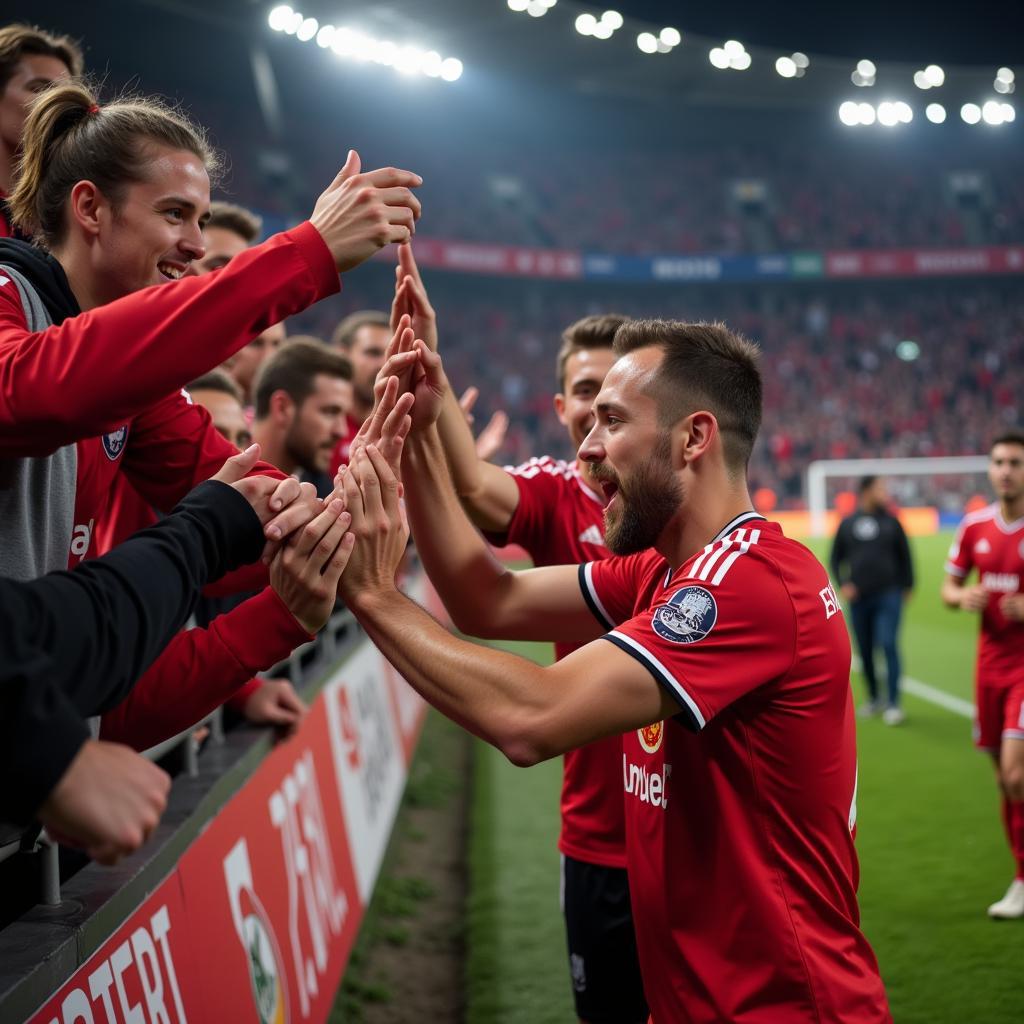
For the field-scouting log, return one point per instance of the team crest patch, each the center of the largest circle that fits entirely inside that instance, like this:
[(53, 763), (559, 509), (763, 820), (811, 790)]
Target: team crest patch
[(689, 616), (650, 737), (114, 442)]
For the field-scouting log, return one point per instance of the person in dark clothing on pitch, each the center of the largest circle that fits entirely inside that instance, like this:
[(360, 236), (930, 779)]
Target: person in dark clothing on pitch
[(871, 562), (73, 643)]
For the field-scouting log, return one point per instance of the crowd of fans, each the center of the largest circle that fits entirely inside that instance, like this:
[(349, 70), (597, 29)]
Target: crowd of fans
[(722, 199)]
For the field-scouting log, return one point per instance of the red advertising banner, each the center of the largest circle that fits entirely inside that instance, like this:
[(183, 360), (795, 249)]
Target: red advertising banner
[(1005, 259), (257, 921), (145, 972), (499, 260)]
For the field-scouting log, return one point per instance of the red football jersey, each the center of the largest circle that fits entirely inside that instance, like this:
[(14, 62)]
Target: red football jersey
[(560, 521), (740, 810), (995, 548)]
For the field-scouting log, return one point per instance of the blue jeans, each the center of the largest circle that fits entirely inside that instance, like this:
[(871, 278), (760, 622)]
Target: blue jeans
[(876, 621)]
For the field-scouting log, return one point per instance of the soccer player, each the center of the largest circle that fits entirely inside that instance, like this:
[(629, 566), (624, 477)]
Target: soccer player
[(554, 510), (992, 541), (118, 195), (302, 400), (716, 645), (30, 60)]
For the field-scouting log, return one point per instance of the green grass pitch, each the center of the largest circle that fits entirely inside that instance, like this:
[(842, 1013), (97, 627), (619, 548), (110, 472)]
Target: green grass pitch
[(930, 841)]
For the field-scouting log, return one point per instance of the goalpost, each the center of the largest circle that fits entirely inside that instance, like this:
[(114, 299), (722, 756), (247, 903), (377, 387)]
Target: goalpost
[(819, 472)]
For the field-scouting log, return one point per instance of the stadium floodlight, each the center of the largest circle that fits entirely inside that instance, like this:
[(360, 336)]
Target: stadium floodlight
[(451, 69), (1009, 114), (971, 113), (802, 61), (742, 62), (921, 80), (849, 113), (935, 75), (432, 63), (670, 36), (935, 112), (518, 5), (647, 43), (867, 113), (733, 48), (585, 24), (536, 8), (888, 116), (992, 112), (602, 30), (325, 36), (1005, 75), (614, 19), (786, 67), (307, 30), (280, 17), (1005, 81), (718, 57), (867, 68), (904, 112)]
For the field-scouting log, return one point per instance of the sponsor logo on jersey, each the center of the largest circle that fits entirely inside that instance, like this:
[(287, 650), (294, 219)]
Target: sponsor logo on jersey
[(689, 616), (1001, 582), (647, 786), (982, 547), (114, 442), (650, 736), (592, 535), (865, 528)]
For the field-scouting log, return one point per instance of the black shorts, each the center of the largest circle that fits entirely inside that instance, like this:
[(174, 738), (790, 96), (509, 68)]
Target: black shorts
[(603, 961)]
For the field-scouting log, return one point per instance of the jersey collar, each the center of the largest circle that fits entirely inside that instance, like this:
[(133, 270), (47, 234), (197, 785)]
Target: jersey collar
[(733, 524)]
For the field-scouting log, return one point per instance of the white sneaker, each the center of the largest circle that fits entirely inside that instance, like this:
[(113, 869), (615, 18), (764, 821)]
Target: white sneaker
[(893, 716), (869, 709), (1011, 905)]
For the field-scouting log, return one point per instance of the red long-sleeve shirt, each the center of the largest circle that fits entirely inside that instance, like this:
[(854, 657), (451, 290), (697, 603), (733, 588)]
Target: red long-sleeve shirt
[(107, 372)]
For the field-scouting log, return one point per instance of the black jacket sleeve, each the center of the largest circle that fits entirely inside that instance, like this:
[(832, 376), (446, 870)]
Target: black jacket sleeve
[(73, 643), (840, 552), (904, 560)]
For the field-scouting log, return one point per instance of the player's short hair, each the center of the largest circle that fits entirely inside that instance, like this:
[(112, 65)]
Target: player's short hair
[(237, 219), (866, 483), (588, 333), (69, 138), (216, 380), (345, 333), (20, 40), (293, 369), (1008, 437), (705, 366)]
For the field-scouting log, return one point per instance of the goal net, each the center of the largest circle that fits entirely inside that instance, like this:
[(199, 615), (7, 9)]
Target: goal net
[(948, 484)]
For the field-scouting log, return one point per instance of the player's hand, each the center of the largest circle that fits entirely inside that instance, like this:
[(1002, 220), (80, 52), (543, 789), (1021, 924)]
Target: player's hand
[(107, 802), (371, 490), (1012, 606), (306, 569), (974, 599), (849, 592), (360, 213), (411, 299), (492, 437), (386, 427), (275, 703), (426, 380)]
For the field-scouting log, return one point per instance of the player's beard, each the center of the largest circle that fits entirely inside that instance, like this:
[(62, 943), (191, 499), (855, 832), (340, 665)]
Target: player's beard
[(645, 506)]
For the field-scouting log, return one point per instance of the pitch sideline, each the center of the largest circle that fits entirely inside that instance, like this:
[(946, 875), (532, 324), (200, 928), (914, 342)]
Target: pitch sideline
[(931, 694)]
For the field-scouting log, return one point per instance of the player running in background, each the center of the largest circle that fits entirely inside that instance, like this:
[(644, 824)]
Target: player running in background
[(554, 510), (718, 649), (992, 541)]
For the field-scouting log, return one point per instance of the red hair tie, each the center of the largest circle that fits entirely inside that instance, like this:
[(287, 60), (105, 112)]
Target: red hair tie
[(94, 109)]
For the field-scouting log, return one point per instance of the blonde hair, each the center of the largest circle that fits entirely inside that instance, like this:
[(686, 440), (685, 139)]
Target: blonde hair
[(69, 138), (21, 40)]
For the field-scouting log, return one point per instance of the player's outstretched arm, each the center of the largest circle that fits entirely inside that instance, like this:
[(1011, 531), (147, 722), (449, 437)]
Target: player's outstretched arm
[(484, 597), (488, 493), (530, 713)]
